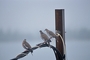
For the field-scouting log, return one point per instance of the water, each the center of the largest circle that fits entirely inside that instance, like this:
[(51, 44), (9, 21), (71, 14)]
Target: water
[(76, 50)]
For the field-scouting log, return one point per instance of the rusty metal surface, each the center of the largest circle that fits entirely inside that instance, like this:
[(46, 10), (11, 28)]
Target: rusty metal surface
[(59, 24)]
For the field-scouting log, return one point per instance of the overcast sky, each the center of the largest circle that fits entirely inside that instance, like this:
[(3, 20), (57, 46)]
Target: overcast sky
[(24, 18), (27, 16)]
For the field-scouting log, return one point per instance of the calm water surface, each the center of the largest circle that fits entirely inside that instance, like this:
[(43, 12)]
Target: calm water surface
[(75, 50)]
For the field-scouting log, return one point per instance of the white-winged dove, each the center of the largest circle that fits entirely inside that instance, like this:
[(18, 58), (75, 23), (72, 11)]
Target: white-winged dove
[(50, 33), (27, 46), (44, 37)]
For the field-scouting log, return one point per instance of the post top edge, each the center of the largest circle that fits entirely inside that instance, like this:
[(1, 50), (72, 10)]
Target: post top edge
[(59, 9)]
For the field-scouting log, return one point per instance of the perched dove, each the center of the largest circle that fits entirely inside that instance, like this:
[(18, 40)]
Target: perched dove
[(51, 34), (45, 37), (27, 46), (21, 55)]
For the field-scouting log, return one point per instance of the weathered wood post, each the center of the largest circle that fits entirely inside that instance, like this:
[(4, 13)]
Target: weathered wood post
[(60, 25)]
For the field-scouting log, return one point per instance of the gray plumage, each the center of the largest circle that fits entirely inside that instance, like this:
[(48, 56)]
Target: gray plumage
[(44, 37), (50, 33), (27, 46)]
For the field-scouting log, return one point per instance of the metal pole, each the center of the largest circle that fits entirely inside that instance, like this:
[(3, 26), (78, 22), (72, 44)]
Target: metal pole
[(60, 25)]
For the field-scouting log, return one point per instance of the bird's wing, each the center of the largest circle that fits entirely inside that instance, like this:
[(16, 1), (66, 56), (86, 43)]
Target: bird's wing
[(23, 44), (44, 36), (52, 34), (26, 45)]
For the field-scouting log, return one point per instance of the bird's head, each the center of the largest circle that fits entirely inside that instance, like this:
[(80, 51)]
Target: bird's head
[(46, 29), (41, 31), (24, 39)]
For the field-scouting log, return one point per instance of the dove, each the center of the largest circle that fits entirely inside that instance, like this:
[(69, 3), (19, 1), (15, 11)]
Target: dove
[(27, 46), (45, 37), (50, 33)]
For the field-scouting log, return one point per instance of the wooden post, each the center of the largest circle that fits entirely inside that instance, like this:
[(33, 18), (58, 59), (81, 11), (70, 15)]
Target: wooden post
[(60, 25)]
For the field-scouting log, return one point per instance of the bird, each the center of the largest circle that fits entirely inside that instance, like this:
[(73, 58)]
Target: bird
[(27, 46), (45, 37), (23, 54), (51, 34)]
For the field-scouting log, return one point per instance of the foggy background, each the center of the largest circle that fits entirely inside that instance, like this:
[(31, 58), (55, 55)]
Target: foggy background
[(22, 19)]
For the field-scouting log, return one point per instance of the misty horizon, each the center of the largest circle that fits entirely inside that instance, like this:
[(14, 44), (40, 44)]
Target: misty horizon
[(82, 34)]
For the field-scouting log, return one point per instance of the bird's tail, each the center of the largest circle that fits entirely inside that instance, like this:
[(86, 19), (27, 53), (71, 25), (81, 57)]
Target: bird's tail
[(56, 37), (48, 40)]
